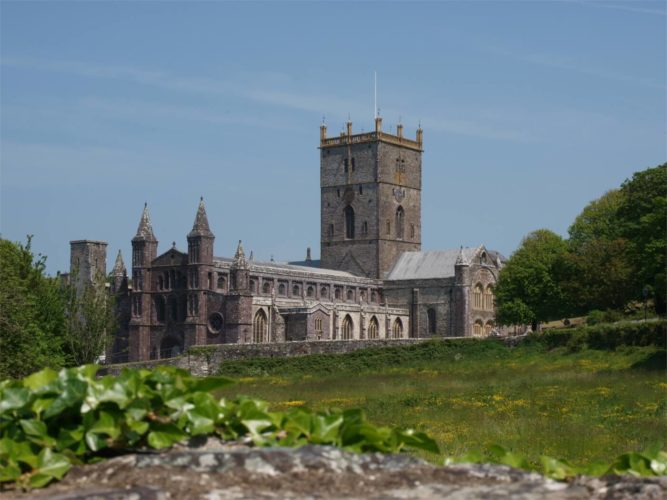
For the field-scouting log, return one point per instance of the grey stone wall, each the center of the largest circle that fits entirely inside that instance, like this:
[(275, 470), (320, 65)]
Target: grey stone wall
[(88, 261)]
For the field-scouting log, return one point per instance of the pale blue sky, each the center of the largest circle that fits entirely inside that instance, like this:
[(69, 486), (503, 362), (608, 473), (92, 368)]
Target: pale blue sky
[(529, 109)]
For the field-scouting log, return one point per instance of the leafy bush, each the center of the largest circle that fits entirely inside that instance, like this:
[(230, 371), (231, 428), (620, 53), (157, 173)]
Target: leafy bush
[(605, 336), (596, 317), (50, 421), (651, 462)]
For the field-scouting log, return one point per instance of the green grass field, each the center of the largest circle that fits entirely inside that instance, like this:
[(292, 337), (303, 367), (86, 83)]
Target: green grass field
[(569, 402)]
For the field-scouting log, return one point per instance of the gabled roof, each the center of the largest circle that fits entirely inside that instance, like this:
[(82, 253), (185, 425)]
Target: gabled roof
[(437, 264)]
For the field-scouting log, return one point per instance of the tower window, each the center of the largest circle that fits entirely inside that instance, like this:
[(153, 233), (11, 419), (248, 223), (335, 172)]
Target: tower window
[(338, 192), (400, 217), (345, 161), (388, 224), (364, 228), (352, 164), (432, 326), (412, 231), (331, 230), (349, 222), (361, 189)]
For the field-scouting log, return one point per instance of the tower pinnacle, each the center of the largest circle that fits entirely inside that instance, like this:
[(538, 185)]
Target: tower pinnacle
[(145, 229), (200, 226)]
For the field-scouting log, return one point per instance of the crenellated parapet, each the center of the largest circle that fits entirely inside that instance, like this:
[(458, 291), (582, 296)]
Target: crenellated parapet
[(348, 138)]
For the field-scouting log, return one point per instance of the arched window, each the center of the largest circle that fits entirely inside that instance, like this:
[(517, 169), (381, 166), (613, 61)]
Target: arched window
[(374, 296), (160, 283), (295, 290), (222, 282), (252, 286), (400, 218), (373, 328), (160, 309), (350, 295), (477, 297), (488, 298), (173, 309), (397, 329), (337, 293), (364, 228), (478, 328), (347, 329), (324, 292), (266, 287), (430, 316), (349, 222), (281, 289), (488, 327), (260, 330), (310, 291)]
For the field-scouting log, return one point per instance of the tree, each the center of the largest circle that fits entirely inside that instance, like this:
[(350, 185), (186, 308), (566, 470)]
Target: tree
[(599, 274), (597, 221), (514, 312), (91, 320), (641, 219), (32, 321), (532, 277)]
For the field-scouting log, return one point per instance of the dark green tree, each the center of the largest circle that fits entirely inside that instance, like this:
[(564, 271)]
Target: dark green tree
[(32, 321), (599, 273), (642, 221), (532, 278)]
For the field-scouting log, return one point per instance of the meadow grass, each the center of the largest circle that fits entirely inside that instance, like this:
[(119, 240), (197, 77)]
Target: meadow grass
[(578, 404)]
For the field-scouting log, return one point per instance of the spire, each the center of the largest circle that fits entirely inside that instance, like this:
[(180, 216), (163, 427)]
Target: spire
[(461, 259), (252, 256), (239, 257), (119, 267), (200, 227), (145, 230)]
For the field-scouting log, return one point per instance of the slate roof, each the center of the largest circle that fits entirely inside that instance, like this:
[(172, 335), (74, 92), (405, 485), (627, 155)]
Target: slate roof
[(428, 265)]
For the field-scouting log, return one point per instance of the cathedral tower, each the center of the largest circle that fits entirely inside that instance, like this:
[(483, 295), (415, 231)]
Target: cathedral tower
[(144, 252), (370, 199)]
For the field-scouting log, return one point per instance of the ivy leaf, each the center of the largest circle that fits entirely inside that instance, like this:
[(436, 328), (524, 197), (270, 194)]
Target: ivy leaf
[(37, 432), (13, 398), (165, 435), (40, 380), (50, 466)]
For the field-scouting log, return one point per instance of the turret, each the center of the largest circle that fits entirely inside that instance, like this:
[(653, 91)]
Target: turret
[(144, 249), (200, 239), (119, 274), (240, 274)]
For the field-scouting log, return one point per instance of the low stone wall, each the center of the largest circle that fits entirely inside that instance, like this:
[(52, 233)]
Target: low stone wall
[(204, 360)]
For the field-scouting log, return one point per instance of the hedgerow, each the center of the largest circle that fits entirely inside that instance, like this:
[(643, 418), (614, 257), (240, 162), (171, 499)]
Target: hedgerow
[(51, 420)]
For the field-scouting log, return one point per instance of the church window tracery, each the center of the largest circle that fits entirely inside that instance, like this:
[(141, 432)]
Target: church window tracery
[(488, 298), (478, 328), (477, 297), (373, 328), (260, 330), (347, 329), (488, 328), (397, 329)]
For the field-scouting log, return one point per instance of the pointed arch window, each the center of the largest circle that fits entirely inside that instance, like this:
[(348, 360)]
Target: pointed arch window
[(478, 328), (488, 328), (349, 222), (430, 316), (397, 329), (477, 297), (488, 298), (400, 222), (347, 329), (373, 328), (260, 330)]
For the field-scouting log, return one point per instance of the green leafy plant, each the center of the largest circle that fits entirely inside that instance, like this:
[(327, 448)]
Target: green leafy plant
[(651, 462), (52, 420)]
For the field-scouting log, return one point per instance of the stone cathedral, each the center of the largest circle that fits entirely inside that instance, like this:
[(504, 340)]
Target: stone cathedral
[(372, 281)]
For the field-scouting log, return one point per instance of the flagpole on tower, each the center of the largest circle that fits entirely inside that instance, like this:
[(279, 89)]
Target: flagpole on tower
[(375, 94)]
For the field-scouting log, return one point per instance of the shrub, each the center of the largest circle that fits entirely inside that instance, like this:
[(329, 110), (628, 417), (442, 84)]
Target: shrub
[(49, 420)]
